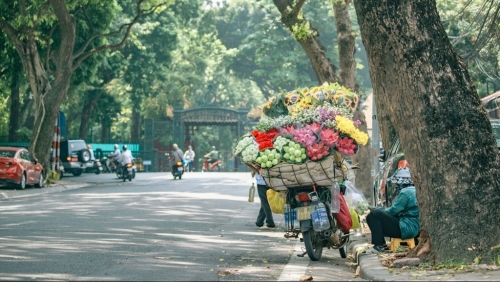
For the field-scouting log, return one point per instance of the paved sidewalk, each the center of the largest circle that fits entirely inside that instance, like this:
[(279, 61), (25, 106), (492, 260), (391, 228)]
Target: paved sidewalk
[(371, 268), (10, 193)]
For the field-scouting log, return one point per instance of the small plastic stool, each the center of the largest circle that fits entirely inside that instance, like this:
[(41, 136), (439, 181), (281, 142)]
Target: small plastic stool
[(396, 241)]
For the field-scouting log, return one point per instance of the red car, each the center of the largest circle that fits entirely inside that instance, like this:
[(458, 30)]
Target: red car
[(19, 168)]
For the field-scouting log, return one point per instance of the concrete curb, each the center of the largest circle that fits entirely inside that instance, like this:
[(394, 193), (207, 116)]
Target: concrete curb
[(370, 267), (14, 194)]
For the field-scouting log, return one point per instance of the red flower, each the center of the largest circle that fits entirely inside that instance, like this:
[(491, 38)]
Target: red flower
[(255, 133), (265, 145)]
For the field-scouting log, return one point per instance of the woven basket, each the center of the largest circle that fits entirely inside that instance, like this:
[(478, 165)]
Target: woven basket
[(284, 175)]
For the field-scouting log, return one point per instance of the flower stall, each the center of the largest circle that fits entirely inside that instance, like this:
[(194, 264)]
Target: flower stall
[(303, 137)]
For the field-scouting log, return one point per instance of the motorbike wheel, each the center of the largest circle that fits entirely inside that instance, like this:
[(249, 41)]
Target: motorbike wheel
[(180, 176), (97, 171), (314, 247), (130, 178), (343, 251), (133, 174), (217, 168)]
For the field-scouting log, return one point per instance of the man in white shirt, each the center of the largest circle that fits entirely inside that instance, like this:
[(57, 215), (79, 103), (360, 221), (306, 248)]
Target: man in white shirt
[(92, 158), (125, 157)]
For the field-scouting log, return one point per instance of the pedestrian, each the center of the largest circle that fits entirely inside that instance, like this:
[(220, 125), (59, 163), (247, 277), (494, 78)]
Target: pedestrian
[(402, 219), (265, 214), (189, 157)]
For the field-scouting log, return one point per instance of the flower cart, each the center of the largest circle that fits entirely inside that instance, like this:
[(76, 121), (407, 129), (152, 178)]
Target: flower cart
[(300, 145)]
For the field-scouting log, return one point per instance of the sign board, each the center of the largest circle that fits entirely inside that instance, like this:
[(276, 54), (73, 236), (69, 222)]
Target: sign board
[(146, 162)]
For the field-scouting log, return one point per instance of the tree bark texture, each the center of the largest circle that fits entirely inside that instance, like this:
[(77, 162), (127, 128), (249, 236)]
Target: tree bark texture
[(347, 75), (425, 91), (88, 107), (15, 104), (324, 69)]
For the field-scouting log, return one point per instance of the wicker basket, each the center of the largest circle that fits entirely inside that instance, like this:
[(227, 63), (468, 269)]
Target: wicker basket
[(284, 175)]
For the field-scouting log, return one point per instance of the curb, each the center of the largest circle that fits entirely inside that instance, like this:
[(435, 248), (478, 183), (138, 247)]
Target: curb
[(370, 267), (15, 194)]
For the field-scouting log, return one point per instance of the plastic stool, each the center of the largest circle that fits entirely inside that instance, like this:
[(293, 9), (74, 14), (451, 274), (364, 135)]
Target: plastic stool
[(396, 241)]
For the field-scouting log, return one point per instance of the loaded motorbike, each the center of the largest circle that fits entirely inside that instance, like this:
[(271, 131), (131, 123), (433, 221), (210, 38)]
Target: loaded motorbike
[(215, 166), (305, 208)]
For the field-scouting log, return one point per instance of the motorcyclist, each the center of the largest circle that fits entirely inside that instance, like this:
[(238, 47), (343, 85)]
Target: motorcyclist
[(213, 156), (125, 158), (116, 154), (92, 158), (189, 157), (177, 155)]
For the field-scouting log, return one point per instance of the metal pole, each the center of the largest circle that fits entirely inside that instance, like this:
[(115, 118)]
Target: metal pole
[(375, 145)]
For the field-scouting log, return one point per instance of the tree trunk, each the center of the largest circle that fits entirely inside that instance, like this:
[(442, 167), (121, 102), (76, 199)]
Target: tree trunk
[(347, 75), (135, 131), (88, 107), (429, 98), (14, 104), (324, 69)]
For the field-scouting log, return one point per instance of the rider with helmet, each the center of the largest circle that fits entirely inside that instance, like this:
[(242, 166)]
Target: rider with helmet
[(213, 155), (125, 157), (401, 220)]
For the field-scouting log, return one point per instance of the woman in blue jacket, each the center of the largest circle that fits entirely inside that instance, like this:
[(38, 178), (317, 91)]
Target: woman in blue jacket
[(401, 220)]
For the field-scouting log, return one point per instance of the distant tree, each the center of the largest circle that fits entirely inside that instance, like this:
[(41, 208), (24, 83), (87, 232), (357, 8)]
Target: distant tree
[(49, 74)]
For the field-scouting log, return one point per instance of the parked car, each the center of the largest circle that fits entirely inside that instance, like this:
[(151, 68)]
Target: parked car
[(18, 168), (386, 193), (74, 156)]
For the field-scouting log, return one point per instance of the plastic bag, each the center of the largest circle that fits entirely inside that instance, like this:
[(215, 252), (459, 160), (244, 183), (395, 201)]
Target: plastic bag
[(355, 198), (354, 218), (343, 217), (276, 201)]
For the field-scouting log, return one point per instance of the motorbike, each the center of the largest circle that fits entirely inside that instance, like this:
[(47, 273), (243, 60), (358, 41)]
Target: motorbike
[(216, 166), (178, 170), (109, 163), (298, 219), (128, 173), (94, 166)]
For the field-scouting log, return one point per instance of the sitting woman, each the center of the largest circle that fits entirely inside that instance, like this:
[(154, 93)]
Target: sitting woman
[(401, 220)]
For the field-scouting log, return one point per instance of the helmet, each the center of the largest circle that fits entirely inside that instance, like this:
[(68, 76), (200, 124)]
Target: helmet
[(124, 147), (116, 146), (402, 178), (213, 147)]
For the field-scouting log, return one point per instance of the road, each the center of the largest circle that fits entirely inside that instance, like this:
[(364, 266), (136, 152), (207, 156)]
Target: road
[(200, 228)]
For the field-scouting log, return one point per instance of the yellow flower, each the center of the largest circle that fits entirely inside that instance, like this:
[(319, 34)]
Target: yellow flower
[(347, 126)]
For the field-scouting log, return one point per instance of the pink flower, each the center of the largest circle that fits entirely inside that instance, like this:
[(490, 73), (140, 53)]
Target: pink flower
[(313, 127), (288, 130), (329, 136), (305, 136)]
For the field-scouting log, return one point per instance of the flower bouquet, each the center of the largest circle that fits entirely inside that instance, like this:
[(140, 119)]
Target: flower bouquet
[(307, 133)]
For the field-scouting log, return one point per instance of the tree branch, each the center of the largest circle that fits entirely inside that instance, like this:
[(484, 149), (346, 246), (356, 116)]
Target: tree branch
[(80, 56), (47, 52), (296, 9)]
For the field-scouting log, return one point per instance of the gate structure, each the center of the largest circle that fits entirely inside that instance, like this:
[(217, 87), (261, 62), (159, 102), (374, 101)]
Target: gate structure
[(179, 130)]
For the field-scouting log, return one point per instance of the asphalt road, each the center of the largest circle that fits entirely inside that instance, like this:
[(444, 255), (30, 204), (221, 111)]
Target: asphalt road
[(200, 228)]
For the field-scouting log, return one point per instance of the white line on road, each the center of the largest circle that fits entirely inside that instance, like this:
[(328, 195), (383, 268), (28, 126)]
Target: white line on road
[(296, 266)]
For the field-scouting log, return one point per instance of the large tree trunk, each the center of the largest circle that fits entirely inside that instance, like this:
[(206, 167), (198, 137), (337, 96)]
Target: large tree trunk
[(14, 104), (425, 89), (324, 69), (88, 107)]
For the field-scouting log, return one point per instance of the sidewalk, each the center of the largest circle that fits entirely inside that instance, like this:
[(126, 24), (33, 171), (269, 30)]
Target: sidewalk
[(10, 193), (370, 267)]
